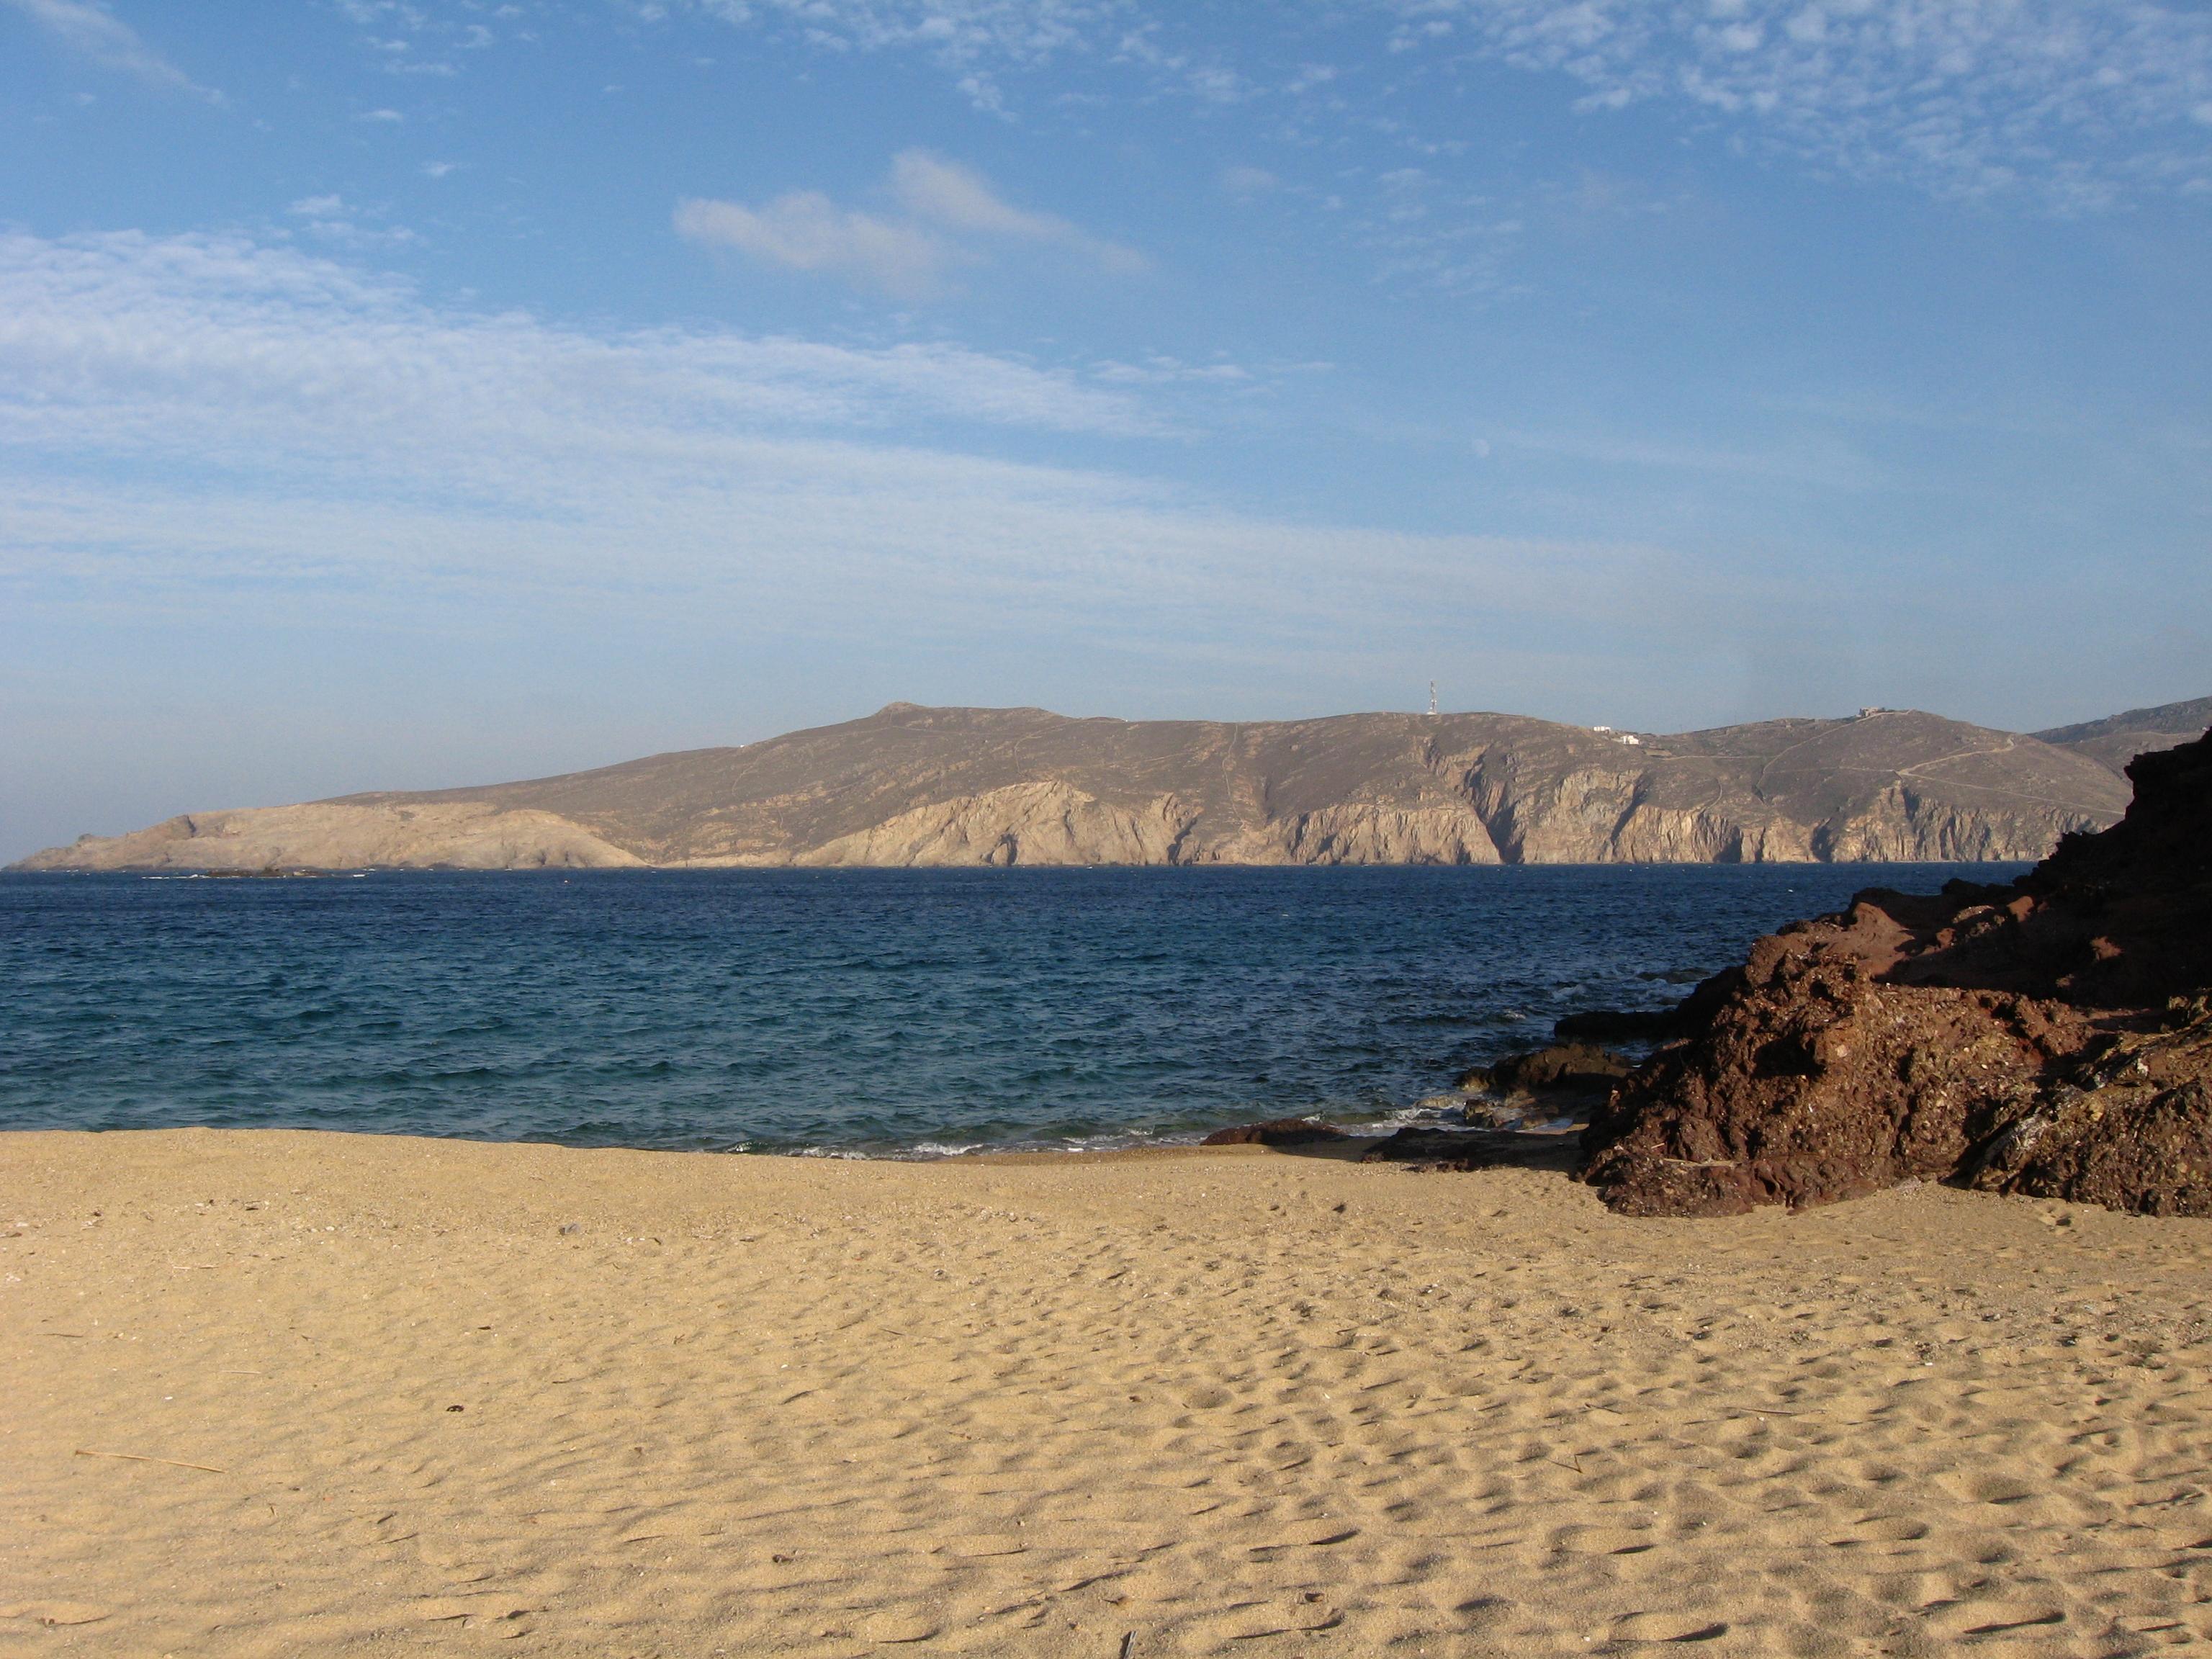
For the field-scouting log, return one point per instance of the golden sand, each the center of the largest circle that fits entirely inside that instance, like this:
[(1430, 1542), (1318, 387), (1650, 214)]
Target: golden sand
[(287, 1394)]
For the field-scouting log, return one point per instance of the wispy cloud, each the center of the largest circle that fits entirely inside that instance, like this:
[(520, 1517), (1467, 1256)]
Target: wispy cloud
[(117, 344), (2072, 101), (975, 39), (2073, 98), (805, 230), (945, 216), (96, 32), (330, 219), (413, 37), (207, 417), (961, 199)]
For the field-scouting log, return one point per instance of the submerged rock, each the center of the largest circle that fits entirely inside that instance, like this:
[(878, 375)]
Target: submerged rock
[(1563, 1068), (1276, 1131), (1620, 1025), (1649, 1024), (2050, 1036)]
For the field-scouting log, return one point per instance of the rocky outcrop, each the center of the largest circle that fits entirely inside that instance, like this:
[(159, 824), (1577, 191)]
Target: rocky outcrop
[(912, 786), (2051, 1037), (458, 835), (1360, 832)]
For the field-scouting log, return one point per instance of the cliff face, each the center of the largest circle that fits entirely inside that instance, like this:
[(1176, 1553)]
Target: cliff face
[(1022, 824), (918, 786), (2051, 1038)]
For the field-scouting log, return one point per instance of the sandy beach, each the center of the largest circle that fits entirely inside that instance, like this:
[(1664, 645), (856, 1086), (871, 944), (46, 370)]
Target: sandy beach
[(276, 1392)]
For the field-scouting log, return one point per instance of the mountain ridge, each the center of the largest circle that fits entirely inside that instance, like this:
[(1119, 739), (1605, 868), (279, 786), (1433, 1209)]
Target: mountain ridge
[(2118, 739), (910, 786)]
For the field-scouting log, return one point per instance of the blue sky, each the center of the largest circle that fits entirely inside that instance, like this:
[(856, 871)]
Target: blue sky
[(404, 394)]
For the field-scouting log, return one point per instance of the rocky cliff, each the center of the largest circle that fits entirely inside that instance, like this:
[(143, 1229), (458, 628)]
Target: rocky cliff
[(2053, 1038), (913, 787)]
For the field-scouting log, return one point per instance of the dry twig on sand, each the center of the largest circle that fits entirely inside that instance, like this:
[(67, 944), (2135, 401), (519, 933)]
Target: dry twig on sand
[(137, 1457)]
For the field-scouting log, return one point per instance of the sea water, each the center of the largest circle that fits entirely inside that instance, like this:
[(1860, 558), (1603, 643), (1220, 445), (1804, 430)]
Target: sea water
[(903, 1012)]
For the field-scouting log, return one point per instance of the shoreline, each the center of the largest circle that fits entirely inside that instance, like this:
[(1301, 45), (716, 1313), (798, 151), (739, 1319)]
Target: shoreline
[(1358, 1133), (624, 873), (296, 1392)]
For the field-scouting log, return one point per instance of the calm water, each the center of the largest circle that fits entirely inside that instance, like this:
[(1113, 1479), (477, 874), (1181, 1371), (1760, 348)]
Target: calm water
[(859, 1010)]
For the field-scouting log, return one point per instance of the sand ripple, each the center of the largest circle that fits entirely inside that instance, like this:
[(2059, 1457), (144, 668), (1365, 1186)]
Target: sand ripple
[(407, 1395)]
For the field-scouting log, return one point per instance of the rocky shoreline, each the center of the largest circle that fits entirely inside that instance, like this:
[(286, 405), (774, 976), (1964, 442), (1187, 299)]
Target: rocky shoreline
[(2050, 1037)]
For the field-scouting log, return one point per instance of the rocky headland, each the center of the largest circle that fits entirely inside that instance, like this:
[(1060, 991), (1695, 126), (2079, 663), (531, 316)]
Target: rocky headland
[(910, 786), (2052, 1037)]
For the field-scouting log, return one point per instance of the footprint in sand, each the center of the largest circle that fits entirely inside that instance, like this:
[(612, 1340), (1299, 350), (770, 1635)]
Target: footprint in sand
[(892, 1630), (1601, 1540), (2003, 1489), (1882, 1530), (1686, 1628)]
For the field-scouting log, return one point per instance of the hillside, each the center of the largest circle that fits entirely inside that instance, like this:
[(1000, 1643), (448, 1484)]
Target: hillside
[(909, 785), (2118, 739)]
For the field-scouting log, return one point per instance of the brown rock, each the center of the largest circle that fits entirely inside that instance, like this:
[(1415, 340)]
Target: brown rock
[(1431, 1148), (2151, 1154), (1650, 1025), (1276, 1131), (1567, 1068), (2047, 1037)]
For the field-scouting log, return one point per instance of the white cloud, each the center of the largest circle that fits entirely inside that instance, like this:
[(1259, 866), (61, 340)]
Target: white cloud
[(951, 214), (405, 38), (1159, 369), (97, 34), (329, 218), (805, 230), (960, 199), (119, 343), (207, 420), (975, 38), (2075, 101)]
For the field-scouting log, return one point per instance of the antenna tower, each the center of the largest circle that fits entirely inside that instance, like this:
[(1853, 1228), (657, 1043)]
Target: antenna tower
[(1432, 699)]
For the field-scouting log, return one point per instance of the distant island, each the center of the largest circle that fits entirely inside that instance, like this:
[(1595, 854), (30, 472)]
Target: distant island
[(912, 786)]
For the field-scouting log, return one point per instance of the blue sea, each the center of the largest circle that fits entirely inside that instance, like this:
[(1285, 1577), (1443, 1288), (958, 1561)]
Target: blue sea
[(858, 1013)]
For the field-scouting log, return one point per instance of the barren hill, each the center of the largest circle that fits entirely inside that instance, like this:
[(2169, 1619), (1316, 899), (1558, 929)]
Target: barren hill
[(910, 786), (2118, 739)]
